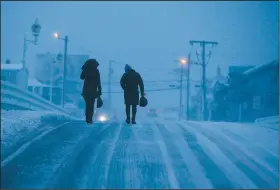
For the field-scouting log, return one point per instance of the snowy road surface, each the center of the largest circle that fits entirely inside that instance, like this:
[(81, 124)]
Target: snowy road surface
[(146, 155)]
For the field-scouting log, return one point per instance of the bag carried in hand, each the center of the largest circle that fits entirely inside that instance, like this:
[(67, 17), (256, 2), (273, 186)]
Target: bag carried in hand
[(99, 102), (143, 102)]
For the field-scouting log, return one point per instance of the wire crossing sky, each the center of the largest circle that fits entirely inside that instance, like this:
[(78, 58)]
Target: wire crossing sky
[(149, 34)]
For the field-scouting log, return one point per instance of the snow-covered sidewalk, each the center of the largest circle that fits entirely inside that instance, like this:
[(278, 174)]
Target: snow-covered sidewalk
[(17, 126)]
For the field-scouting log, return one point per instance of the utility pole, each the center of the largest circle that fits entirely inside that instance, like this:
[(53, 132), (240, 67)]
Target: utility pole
[(110, 82), (181, 91), (204, 85), (188, 86), (51, 79), (35, 28), (182, 61), (64, 68)]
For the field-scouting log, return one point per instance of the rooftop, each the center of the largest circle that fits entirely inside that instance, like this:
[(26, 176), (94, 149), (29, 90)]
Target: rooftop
[(5, 66), (260, 67), (34, 82)]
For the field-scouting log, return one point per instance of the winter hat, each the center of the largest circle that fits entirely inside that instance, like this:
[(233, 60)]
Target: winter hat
[(90, 63), (127, 68)]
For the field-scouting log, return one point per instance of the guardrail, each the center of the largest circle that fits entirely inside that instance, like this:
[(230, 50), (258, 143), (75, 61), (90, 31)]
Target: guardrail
[(268, 120), (12, 95)]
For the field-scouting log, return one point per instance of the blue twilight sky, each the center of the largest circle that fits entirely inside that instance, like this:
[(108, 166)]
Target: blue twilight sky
[(150, 34), (147, 35)]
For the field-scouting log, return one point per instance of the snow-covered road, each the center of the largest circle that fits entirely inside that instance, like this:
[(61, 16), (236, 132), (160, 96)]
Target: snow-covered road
[(151, 154)]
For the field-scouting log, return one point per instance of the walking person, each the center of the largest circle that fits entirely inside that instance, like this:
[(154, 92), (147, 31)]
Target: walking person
[(129, 83), (92, 86)]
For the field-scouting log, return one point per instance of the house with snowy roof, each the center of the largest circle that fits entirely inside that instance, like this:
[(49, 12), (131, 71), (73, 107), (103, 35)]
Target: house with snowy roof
[(14, 73)]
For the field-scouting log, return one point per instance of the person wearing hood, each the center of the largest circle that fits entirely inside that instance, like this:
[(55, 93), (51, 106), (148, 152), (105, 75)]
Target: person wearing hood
[(129, 83), (92, 86)]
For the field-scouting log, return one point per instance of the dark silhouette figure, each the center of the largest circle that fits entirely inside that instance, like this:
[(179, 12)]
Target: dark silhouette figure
[(92, 86), (129, 83)]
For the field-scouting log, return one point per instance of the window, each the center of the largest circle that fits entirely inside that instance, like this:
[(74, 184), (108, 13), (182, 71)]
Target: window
[(256, 102)]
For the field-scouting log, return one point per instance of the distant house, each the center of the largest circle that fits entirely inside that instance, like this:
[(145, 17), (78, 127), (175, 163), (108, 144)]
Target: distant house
[(43, 90), (216, 86), (263, 85), (35, 86), (212, 84), (15, 74), (261, 93)]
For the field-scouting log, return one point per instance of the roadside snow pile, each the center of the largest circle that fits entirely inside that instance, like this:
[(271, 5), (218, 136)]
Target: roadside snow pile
[(269, 122), (17, 125)]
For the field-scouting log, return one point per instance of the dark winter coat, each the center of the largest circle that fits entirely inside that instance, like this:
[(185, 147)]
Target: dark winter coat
[(129, 83), (91, 76)]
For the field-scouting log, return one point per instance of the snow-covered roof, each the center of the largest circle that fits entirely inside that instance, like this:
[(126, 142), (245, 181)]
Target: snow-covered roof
[(262, 66), (221, 80), (5, 66), (34, 82)]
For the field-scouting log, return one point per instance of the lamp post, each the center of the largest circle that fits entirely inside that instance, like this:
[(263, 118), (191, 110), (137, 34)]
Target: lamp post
[(183, 61), (51, 78), (65, 39), (188, 88), (110, 72), (35, 29)]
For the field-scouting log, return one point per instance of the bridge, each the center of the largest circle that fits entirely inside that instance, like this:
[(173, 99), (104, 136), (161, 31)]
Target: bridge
[(13, 97)]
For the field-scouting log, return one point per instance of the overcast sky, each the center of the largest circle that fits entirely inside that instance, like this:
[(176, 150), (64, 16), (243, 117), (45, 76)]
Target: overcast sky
[(147, 35), (150, 34)]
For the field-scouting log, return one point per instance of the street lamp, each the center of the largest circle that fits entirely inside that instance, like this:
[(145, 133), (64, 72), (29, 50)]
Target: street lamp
[(183, 61), (51, 78), (35, 29), (65, 39), (110, 72)]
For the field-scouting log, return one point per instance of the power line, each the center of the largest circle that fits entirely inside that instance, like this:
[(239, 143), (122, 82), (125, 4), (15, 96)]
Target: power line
[(145, 82), (150, 90)]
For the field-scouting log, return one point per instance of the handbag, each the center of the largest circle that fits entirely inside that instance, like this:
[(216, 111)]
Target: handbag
[(99, 102)]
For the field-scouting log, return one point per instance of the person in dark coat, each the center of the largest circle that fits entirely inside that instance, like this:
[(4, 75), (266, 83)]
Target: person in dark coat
[(92, 86), (129, 83)]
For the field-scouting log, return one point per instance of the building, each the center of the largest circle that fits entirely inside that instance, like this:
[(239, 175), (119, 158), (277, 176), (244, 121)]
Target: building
[(239, 69), (212, 85), (256, 95), (15, 74), (263, 88), (49, 71)]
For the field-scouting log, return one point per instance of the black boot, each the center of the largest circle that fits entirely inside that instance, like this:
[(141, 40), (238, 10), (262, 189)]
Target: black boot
[(133, 120), (127, 120), (88, 119), (134, 109)]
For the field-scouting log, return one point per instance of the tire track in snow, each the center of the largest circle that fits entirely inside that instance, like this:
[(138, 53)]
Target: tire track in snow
[(70, 173), (25, 145), (132, 174), (253, 170), (25, 138), (36, 164), (66, 172), (269, 157), (96, 172), (238, 133), (149, 165), (197, 172), (219, 168), (181, 171), (174, 184), (117, 167)]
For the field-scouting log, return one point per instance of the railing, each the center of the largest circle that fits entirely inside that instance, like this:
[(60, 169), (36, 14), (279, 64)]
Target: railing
[(14, 96)]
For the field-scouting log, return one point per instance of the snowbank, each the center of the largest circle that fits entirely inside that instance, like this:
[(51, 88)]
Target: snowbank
[(17, 125)]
